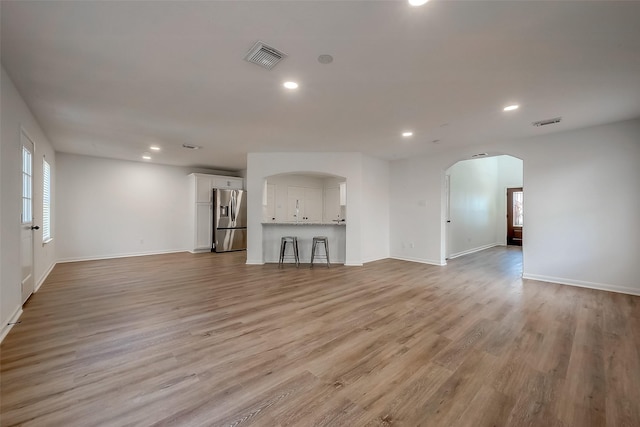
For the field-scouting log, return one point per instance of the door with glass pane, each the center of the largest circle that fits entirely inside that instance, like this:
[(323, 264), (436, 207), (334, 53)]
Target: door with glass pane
[(515, 216), (26, 218)]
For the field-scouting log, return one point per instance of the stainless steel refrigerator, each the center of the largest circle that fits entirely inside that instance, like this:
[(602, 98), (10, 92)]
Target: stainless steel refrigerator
[(229, 220)]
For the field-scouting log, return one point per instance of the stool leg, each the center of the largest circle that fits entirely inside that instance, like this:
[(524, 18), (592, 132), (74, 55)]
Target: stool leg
[(326, 251), (313, 252), (283, 246), (295, 252)]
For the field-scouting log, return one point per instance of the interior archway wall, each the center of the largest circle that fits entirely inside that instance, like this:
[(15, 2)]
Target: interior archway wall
[(477, 202), (576, 182)]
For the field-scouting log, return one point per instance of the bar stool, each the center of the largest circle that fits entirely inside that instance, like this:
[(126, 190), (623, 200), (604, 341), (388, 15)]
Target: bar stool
[(283, 248), (316, 240)]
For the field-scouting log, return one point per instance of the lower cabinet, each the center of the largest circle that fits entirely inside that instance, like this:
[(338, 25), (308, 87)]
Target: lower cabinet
[(304, 204), (204, 226)]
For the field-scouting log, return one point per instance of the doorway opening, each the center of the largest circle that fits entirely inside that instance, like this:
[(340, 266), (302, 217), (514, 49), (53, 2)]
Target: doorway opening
[(476, 205), (515, 215)]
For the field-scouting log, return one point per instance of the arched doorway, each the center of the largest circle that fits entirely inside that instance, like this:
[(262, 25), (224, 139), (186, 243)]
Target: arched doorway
[(476, 203)]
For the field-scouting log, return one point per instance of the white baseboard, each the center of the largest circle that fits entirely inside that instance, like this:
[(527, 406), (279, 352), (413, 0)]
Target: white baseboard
[(255, 262), (349, 264), (44, 277), (7, 326), (95, 258), (365, 261), (583, 284), (420, 260), (470, 251)]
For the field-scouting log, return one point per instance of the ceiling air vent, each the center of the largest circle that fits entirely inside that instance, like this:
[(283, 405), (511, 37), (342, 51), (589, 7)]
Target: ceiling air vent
[(191, 146), (547, 122), (475, 156), (264, 56)]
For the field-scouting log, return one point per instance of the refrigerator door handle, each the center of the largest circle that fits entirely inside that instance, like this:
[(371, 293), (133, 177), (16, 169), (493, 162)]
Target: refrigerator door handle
[(233, 207)]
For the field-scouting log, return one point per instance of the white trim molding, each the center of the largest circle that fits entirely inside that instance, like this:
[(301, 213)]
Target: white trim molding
[(12, 320), (421, 261), (470, 251), (583, 284), (44, 277), (96, 258)]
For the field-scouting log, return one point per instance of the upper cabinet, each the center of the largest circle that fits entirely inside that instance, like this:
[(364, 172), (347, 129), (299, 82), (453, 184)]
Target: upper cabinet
[(228, 182), (204, 184), (303, 198)]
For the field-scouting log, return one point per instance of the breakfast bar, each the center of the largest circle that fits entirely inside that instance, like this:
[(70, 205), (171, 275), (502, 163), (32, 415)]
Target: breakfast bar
[(305, 232)]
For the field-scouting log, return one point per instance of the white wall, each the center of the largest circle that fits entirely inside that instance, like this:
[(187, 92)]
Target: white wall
[(510, 174), (15, 116), (473, 199), (582, 195), (417, 198), (263, 165), (111, 208), (375, 208), (582, 198)]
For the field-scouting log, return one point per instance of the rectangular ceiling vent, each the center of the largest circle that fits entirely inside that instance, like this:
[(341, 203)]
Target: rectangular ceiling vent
[(264, 56), (547, 122)]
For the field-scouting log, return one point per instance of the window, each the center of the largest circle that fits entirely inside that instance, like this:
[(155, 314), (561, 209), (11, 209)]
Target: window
[(517, 208), (46, 201), (27, 215)]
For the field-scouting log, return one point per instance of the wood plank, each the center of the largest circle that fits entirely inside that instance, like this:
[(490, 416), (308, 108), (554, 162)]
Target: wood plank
[(204, 339)]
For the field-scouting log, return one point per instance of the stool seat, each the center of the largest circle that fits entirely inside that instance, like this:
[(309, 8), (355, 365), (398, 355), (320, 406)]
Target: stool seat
[(316, 241), (293, 240)]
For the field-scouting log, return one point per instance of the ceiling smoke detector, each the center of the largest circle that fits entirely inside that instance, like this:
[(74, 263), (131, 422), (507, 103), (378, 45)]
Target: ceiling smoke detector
[(264, 56), (547, 122), (191, 146)]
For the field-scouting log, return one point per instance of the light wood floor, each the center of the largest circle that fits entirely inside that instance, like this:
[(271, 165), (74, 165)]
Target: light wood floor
[(190, 340)]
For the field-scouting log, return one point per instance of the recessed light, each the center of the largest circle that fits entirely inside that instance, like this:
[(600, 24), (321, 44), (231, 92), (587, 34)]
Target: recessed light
[(154, 148), (417, 2), (407, 134), (290, 85), (511, 107), (146, 157)]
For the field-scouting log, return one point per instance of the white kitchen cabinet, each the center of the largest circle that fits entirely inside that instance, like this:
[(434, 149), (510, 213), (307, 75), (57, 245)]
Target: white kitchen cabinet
[(304, 204), (204, 225), (228, 182), (313, 204), (332, 204), (204, 185), (201, 206)]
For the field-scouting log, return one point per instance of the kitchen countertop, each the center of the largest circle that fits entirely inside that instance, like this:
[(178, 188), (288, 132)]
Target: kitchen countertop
[(305, 223)]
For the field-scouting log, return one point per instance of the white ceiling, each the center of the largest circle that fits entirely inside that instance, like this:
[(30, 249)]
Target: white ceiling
[(109, 79)]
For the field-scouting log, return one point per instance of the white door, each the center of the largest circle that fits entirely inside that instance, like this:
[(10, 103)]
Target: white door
[(447, 215), (26, 220)]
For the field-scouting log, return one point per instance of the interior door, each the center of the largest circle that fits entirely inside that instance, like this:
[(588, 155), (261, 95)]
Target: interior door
[(26, 219), (515, 215), (447, 215)]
